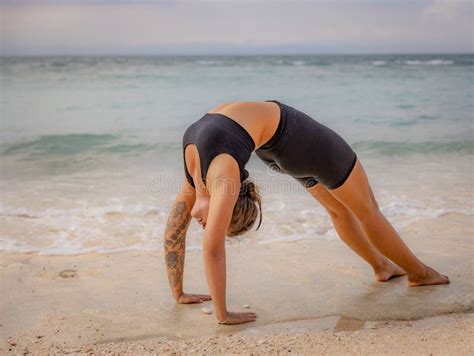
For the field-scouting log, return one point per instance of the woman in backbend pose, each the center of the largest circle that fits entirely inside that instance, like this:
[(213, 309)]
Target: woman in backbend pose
[(219, 195)]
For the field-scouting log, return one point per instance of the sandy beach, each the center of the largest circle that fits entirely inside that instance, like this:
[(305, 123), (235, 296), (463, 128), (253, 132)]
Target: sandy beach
[(311, 296), (96, 98)]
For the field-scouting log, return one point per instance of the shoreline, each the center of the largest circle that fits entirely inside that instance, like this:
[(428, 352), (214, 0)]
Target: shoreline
[(449, 334), (91, 300), (331, 335)]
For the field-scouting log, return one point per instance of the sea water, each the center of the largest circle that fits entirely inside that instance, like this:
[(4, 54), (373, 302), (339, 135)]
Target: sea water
[(91, 158)]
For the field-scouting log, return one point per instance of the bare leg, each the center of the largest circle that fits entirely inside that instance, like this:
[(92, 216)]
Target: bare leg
[(358, 197), (350, 231)]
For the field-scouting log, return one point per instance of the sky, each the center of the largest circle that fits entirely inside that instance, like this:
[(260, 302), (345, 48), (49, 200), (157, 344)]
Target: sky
[(55, 27)]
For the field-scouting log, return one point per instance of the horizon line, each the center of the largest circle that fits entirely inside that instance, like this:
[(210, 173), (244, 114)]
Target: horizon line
[(226, 54)]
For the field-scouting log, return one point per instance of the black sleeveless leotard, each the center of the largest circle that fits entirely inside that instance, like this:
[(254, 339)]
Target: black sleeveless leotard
[(300, 147), (214, 134)]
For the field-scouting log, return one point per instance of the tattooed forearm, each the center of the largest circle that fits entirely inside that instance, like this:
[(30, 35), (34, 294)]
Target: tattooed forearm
[(172, 259), (177, 234), (174, 244)]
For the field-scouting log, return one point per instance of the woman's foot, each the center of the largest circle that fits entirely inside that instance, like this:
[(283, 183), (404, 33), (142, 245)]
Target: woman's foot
[(387, 271), (430, 277)]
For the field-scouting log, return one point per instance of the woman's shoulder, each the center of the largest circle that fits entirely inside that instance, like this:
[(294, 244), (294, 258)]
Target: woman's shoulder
[(236, 106), (221, 106)]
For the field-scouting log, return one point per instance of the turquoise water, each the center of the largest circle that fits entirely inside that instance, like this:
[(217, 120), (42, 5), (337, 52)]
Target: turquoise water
[(90, 146)]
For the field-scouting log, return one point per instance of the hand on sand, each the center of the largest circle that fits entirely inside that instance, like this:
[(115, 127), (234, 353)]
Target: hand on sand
[(193, 298), (240, 318)]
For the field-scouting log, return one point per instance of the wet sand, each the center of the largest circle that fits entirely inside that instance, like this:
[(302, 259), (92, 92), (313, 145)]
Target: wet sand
[(314, 296)]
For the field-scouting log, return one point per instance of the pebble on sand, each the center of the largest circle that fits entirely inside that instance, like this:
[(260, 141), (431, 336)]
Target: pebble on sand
[(206, 310), (370, 325), (246, 306), (68, 273)]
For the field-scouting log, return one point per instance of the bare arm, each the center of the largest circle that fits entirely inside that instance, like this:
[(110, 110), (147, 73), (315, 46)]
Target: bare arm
[(220, 212), (224, 190), (175, 243)]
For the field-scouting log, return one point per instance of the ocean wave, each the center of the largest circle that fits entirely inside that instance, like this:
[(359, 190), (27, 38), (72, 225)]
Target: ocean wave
[(394, 61), (119, 67), (139, 227), (111, 228), (298, 63), (207, 62), (408, 148), (416, 211), (139, 76), (301, 63), (75, 144), (108, 144), (64, 247), (97, 212), (417, 62), (60, 144), (406, 106)]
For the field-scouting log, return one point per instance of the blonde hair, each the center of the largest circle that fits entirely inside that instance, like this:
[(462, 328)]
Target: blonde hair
[(246, 209)]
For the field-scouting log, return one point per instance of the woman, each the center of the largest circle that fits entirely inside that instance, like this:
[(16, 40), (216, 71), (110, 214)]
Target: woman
[(219, 195)]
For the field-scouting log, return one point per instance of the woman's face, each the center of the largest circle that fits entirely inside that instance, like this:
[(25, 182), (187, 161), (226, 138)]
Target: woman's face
[(201, 209)]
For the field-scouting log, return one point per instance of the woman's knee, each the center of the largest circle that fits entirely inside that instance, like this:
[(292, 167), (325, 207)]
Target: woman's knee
[(356, 193), (341, 213), (362, 204), (367, 211)]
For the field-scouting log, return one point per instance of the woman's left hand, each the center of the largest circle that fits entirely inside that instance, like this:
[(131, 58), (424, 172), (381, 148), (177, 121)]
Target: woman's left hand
[(193, 298)]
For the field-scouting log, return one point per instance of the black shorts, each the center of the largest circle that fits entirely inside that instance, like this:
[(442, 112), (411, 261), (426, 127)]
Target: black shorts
[(307, 150)]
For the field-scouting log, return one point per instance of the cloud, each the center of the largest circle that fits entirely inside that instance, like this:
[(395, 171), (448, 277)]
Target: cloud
[(448, 10), (200, 26)]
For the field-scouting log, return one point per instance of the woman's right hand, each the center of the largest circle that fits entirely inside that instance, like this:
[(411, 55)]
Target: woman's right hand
[(240, 318)]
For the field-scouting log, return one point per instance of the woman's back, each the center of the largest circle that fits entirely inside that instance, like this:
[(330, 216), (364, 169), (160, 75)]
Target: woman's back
[(258, 118), (234, 128)]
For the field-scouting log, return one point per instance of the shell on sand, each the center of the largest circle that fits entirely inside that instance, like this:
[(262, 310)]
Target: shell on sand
[(206, 310), (246, 306)]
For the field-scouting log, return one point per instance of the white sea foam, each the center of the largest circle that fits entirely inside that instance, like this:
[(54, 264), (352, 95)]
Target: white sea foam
[(207, 62), (298, 63), (110, 228), (98, 212), (429, 62), (140, 227), (378, 63)]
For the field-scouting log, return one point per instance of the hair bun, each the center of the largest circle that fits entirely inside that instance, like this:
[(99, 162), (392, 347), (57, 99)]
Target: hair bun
[(247, 208), (249, 189), (253, 191)]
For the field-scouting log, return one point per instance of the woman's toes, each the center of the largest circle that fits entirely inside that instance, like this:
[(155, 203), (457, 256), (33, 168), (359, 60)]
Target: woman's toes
[(389, 271), (431, 277)]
